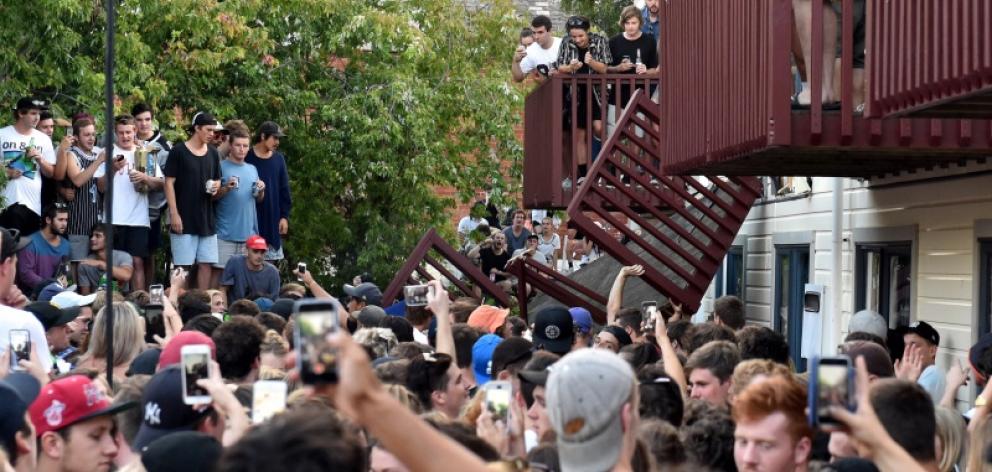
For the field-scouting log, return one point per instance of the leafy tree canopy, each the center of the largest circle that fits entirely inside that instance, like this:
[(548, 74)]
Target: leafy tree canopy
[(383, 100), (604, 14)]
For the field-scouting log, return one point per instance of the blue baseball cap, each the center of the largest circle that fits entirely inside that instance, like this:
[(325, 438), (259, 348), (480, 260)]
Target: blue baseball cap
[(482, 358), (582, 318)]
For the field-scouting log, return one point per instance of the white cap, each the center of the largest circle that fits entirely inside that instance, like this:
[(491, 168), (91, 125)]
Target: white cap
[(70, 299)]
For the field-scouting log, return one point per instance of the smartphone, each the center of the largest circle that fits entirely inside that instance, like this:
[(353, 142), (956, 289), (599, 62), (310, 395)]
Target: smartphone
[(268, 399), (68, 131), (315, 359), (156, 294), (831, 384), (20, 347), (119, 158), (649, 313), (195, 366), (415, 295), (498, 396), (301, 268)]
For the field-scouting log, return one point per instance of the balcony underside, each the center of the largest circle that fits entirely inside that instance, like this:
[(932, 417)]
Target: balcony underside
[(974, 105), (874, 148)]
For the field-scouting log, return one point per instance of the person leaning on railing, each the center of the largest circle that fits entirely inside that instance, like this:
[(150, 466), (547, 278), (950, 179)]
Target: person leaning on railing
[(583, 52)]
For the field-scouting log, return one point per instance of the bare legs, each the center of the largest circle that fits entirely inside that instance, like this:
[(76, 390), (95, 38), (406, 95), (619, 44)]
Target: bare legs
[(803, 10)]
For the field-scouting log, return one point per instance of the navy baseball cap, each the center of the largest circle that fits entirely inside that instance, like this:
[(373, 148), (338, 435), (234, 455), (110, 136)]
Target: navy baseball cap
[(164, 410), (553, 330), (925, 331), (17, 391)]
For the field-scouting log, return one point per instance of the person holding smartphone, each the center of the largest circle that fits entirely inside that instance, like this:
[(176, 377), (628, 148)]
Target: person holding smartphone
[(11, 317), (240, 191)]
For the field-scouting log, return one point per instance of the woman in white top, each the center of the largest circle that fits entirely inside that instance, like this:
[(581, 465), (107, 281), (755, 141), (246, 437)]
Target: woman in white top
[(549, 243)]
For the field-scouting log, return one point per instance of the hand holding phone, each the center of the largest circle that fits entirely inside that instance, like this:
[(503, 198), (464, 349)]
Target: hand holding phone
[(415, 295), (301, 268)]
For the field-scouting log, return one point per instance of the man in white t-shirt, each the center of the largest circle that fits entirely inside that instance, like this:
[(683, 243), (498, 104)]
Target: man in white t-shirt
[(131, 187), (11, 317), (542, 52), (27, 155)]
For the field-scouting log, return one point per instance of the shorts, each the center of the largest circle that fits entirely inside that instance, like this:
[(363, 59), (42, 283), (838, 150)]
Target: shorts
[(155, 234), (132, 240), (581, 108), (190, 248), (79, 245), (859, 31), (226, 249), (274, 254)]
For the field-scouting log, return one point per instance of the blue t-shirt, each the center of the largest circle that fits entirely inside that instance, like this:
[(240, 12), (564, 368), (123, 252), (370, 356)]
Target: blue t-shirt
[(39, 260), (236, 217)]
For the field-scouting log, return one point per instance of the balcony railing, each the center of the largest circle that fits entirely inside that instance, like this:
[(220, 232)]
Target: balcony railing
[(726, 98), (936, 58), (552, 147)]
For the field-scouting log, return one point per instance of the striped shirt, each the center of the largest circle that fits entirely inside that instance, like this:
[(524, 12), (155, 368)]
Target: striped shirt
[(85, 210)]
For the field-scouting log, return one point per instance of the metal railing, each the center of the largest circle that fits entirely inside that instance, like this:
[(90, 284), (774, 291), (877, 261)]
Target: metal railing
[(557, 114)]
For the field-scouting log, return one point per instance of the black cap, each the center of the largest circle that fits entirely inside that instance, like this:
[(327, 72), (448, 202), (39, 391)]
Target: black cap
[(511, 351), (553, 330), (622, 337), (32, 103), (975, 353), (367, 291), (536, 377), (145, 363), (925, 331), (50, 315), (11, 243), (283, 307), (164, 410), (204, 118), (270, 128), (187, 451)]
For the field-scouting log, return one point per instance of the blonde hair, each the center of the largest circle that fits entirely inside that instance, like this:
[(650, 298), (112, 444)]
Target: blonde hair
[(274, 343), (129, 335), (629, 12), (950, 430), (406, 397), (746, 371)]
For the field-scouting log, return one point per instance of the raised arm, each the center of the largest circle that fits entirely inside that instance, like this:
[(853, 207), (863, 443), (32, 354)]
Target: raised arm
[(615, 302), (673, 367), (439, 303)]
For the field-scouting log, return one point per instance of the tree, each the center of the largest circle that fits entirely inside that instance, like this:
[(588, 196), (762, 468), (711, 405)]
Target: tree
[(604, 14), (383, 100)]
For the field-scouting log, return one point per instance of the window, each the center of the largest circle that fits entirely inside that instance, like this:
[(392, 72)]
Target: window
[(791, 277), (884, 280), (730, 277), (985, 286)]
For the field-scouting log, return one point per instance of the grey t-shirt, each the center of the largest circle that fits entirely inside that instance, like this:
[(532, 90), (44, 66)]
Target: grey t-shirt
[(516, 242), (89, 276), (242, 282)]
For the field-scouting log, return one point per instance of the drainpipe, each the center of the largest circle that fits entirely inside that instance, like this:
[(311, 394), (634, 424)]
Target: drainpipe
[(833, 318)]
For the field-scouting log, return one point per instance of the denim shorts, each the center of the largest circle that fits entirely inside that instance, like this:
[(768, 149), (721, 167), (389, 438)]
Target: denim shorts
[(191, 248)]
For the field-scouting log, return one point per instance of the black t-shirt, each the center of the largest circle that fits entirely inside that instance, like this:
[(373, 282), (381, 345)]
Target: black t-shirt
[(622, 47), (491, 261), (195, 206)]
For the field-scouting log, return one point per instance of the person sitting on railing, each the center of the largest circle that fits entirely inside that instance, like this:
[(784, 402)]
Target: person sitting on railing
[(634, 52), (536, 59), (583, 52)]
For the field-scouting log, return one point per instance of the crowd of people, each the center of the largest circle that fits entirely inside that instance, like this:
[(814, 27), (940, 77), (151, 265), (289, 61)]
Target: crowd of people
[(221, 196)]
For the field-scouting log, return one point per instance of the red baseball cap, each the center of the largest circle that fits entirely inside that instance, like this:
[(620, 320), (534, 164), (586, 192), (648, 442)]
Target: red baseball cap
[(256, 242), (172, 352), (70, 400)]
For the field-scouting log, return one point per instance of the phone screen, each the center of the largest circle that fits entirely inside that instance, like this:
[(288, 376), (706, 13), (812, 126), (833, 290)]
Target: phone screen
[(20, 347), (196, 366), (498, 399), (833, 387), (314, 321), (415, 295), (155, 294), (268, 399)]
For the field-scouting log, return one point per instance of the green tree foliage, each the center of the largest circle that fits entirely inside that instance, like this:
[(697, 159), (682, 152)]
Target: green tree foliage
[(604, 14), (383, 100)]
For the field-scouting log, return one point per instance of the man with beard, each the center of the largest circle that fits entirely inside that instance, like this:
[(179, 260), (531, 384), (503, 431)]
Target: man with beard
[(47, 250), (650, 25)]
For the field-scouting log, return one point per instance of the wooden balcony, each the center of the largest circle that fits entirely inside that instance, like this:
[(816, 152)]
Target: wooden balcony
[(551, 154), (726, 100), (934, 59)]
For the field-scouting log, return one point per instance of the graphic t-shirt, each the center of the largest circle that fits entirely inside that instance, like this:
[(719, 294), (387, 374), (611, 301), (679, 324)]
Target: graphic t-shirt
[(130, 205), (25, 189), (536, 55), (236, 216), (195, 205)]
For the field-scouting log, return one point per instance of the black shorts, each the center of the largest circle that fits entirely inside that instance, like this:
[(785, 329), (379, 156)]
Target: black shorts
[(132, 240), (859, 31), (581, 107), (155, 234)]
